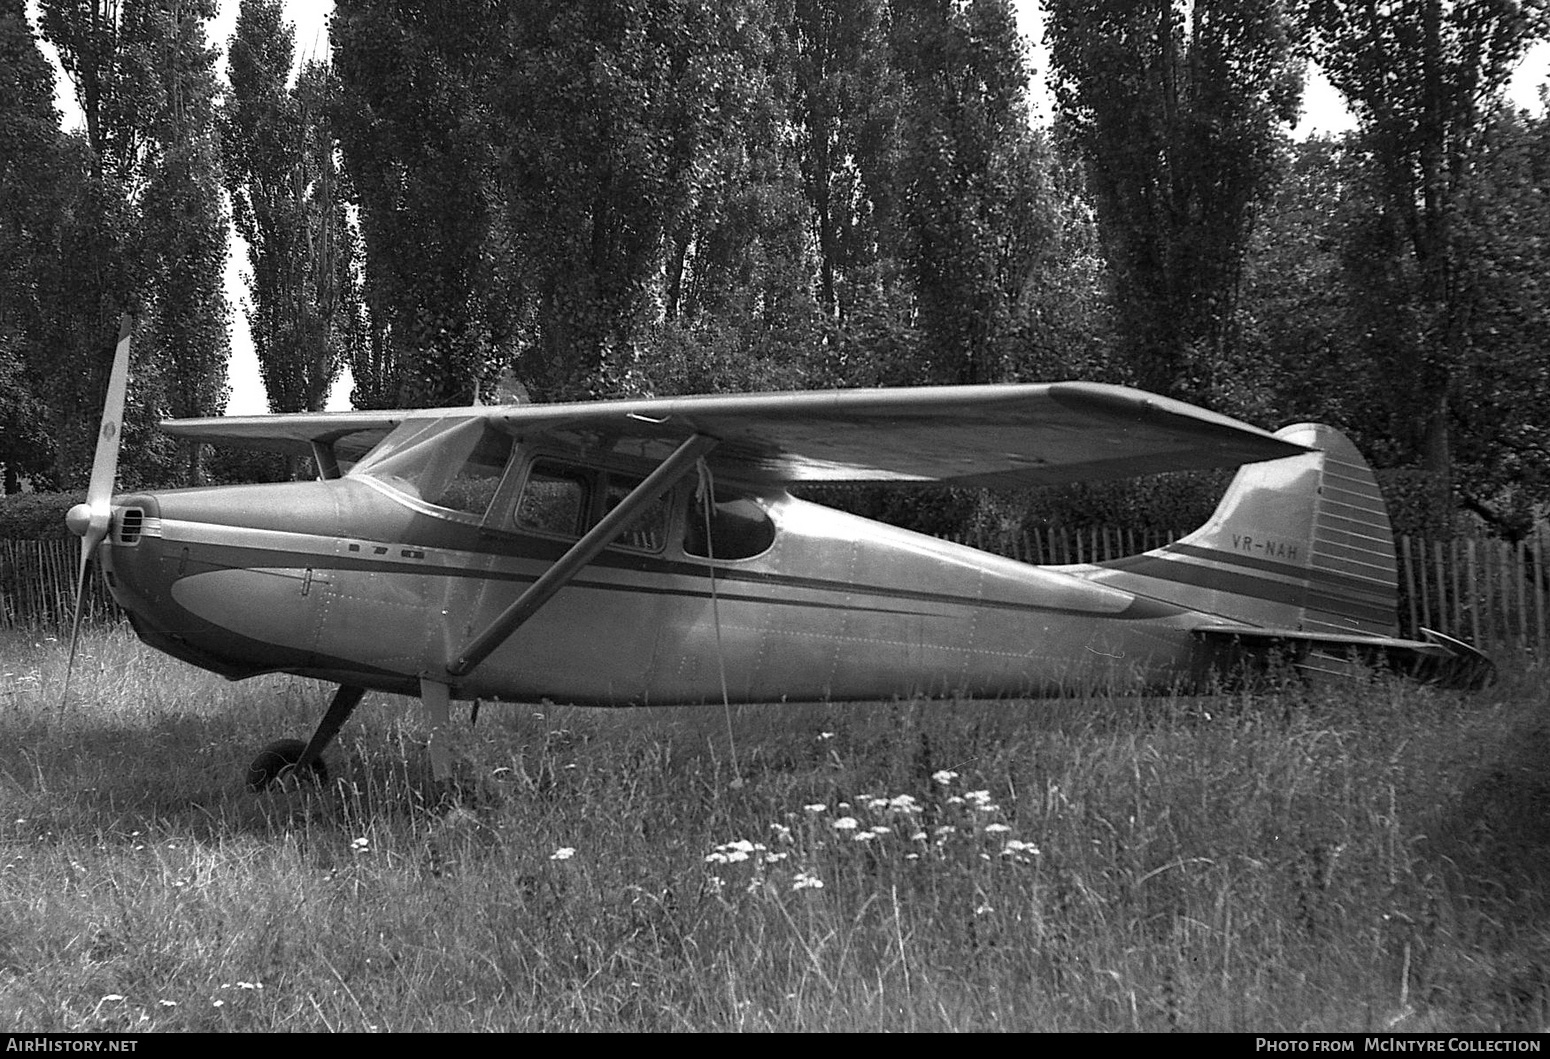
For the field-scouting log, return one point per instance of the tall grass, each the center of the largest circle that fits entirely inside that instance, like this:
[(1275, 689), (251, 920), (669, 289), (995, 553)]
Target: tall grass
[(1367, 857)]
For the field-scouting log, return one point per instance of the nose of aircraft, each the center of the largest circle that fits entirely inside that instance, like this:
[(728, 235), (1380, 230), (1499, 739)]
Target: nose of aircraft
[(212, 576), (142, 569), (131, 557)]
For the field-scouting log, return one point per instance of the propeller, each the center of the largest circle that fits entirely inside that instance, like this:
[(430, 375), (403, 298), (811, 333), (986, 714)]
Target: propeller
[(90, 521)]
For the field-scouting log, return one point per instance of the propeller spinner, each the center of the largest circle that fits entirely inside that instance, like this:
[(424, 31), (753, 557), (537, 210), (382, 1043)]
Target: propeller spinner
[(90, 521)]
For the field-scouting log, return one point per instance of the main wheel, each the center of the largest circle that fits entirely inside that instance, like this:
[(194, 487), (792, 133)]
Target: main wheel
[(277, 758)]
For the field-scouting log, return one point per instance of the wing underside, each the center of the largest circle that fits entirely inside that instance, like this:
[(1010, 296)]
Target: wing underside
[(997, 436)]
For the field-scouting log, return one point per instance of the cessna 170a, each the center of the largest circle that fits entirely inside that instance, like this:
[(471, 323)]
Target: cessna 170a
[(645, 552)]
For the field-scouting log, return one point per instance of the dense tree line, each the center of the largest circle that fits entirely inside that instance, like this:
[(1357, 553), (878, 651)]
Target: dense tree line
[(611, 199), (122, 215)]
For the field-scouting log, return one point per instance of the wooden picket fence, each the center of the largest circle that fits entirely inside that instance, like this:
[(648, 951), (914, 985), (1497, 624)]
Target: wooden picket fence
[(1492, 593), (37, 586)]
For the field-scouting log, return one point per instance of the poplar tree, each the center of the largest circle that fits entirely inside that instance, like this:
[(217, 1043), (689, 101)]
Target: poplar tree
[(30, 163), (146, 228), (288, 204), (1177, 110), (1425, 79)]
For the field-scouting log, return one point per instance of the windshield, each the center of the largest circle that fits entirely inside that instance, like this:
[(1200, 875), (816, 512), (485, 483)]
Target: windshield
[(451, 463)]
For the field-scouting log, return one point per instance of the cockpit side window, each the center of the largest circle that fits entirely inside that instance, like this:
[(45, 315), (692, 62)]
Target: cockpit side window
[(740, 528), (567, 499), (554, 499)]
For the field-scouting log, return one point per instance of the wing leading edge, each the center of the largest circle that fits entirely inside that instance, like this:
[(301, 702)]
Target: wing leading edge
[(1003, 436), (294, 433)]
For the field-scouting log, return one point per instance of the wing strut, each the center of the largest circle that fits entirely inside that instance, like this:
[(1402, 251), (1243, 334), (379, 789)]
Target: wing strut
[(668, 474)]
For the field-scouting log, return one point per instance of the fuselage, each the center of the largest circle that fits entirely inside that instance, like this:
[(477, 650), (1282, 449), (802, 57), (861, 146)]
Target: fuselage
[(355, 581)]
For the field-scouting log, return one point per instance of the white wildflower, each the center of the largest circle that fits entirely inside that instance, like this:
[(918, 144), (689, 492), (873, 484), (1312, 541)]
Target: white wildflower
[(563, 853), (981, 801)]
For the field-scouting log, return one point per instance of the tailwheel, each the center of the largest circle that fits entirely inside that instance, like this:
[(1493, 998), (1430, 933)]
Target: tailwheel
[(279, 759)]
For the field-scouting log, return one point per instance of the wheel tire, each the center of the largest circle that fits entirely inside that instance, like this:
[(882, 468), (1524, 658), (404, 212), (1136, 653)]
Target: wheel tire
[(276, 758)]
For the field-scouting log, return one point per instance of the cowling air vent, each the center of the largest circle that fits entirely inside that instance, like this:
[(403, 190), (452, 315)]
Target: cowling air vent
[(131, 520)]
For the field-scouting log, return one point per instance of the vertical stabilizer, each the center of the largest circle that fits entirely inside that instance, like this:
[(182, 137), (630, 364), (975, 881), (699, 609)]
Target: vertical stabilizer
[(1299, 543)]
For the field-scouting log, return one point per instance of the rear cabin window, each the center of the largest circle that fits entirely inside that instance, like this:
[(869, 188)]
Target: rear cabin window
[(739, 529), (647, 531)]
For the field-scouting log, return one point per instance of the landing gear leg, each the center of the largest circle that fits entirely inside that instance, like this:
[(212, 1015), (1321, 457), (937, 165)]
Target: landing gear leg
[(438, 704), (291, 756), (344, 702)]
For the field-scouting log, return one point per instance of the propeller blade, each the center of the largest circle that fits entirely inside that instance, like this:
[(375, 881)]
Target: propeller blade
[(104, 468), (80, 607), (90, 520)]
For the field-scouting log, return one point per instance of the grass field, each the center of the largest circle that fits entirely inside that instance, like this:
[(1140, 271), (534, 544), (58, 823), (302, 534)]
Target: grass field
[(1366, 857)]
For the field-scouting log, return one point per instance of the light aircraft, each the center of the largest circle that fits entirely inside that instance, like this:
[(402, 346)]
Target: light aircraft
[(649, 552)]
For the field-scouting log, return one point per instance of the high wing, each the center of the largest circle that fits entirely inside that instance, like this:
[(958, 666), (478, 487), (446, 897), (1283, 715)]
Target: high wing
[(998, 436)]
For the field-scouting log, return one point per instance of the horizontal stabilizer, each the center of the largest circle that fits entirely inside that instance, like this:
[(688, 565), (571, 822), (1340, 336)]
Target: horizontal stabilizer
[(1438, 659)]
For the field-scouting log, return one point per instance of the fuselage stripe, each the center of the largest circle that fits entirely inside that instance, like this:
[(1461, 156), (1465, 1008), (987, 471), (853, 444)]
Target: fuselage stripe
[(250, 556), (1302, 574)]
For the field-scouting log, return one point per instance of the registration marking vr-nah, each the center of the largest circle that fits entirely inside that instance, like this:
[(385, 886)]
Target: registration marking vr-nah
[(300, 550)]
